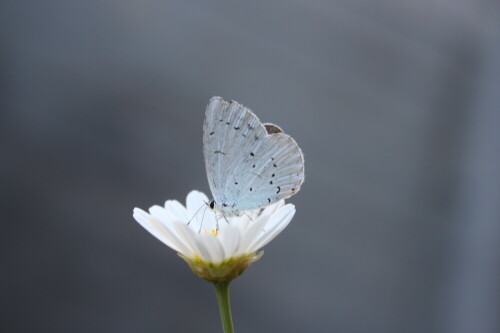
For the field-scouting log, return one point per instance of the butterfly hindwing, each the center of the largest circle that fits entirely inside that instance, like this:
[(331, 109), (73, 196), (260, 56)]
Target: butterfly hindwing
[(276, 173)]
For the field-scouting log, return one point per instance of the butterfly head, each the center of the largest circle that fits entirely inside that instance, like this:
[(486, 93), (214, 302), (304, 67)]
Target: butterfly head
[(224, 208)]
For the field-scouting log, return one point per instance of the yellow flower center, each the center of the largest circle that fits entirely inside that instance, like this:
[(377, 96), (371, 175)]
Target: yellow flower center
[(227, 270), (212, 232)]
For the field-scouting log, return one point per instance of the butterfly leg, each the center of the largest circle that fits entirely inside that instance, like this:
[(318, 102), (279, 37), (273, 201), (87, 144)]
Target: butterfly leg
[(251, 219)]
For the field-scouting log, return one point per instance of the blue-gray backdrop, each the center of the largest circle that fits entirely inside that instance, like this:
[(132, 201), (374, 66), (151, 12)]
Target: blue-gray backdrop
[(394, 103)]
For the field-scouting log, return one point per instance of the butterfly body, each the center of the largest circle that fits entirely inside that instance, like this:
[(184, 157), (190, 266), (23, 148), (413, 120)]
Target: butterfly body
[(249, 164)]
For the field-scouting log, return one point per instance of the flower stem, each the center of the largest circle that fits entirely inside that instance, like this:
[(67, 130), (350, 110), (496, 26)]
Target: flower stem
[(222, 291)]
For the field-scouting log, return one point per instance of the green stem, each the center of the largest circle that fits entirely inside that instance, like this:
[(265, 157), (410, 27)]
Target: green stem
[(222, 290)]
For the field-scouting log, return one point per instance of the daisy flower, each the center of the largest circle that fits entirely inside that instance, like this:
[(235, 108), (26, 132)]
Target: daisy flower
[(217, 247)]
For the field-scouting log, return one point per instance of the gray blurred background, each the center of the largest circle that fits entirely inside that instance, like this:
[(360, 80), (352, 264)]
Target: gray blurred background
[(394, 103)]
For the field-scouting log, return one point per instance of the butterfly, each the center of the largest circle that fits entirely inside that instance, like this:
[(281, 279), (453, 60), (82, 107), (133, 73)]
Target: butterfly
[(249, 164)]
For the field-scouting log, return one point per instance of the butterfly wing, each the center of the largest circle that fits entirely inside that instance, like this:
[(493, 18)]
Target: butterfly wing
[(248, 168), (227, 129), (277, 173)]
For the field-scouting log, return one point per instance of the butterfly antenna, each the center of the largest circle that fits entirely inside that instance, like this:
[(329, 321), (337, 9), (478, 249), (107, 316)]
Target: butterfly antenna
[(192, 217), (203, 217)]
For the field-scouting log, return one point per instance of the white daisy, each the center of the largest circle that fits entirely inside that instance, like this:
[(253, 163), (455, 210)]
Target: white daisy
[(217, 247)]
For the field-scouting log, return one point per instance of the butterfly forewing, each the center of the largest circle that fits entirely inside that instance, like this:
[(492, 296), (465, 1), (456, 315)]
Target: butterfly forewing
[(247, 168)]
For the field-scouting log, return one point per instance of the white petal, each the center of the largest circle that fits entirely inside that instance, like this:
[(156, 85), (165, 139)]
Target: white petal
[(242, 222), (185, 229), (180, 243), (273, 208), (277, 217), (176, 209), (157, 229), (195, 201), (251, 233), (162, 214), (190, 239), (143, 219), (212, 247), (201, 216), (274, 226), (245, 224), (208, 219), (166, 217), (249, 227), (230, 239)]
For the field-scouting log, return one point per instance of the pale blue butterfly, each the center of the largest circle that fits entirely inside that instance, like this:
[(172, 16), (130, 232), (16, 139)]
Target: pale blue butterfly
[(249, 164)]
